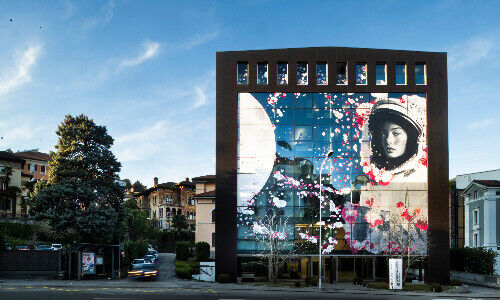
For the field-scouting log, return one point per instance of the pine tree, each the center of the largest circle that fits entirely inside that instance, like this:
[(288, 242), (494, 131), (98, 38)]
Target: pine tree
[(81, 192)]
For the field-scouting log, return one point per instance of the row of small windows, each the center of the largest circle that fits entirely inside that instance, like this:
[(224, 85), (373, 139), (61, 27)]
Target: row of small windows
[(340, 74)]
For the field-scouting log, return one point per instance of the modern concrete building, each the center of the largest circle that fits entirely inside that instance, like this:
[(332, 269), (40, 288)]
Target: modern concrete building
[(331, 150), (205, 210), (482, 216)]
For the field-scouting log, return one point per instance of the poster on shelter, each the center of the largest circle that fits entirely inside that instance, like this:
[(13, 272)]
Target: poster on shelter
[(365, 152), (88, 263)]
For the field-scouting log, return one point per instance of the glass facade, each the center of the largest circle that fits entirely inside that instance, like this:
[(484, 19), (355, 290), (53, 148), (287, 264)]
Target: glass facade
[(373, 187), (420, 76), (401, 74), (242, 73), (381, 74)]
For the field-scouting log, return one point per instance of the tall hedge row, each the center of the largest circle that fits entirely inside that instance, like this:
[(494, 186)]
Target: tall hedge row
[(17, 230), (477, 260)]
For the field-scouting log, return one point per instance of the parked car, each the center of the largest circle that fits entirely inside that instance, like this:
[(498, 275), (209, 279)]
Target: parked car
[(150, 248), (43, 247), (147, 271), (154, 253), (22, 247), (137, 263), (150, 257), (56, 247)]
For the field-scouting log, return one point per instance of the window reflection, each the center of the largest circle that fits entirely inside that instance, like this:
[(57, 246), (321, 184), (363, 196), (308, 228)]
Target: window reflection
[(262, 73), (282, 69), (242, 73), (341, 73), (321, 74)]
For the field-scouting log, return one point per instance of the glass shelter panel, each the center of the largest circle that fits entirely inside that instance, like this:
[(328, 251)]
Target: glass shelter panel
[(373, 187)]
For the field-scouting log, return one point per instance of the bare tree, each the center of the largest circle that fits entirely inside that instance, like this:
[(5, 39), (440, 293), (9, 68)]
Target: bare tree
[(408, 238), (275, 248)]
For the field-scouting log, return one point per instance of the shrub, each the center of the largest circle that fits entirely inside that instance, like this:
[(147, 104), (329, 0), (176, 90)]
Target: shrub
[(134, 250), (224, 278), (297, 283), (202, 251), (183, 273), (436, 287), (307, 281), (182, 251), (455, 282), (17, 230), (294, 275), (314, 281), (477, 260), (184, 269)]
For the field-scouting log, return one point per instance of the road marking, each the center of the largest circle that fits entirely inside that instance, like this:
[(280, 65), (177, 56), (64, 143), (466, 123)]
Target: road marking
[(212, 291)]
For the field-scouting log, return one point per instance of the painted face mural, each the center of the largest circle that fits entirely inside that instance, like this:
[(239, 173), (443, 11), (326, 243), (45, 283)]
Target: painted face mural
[(374, 186)]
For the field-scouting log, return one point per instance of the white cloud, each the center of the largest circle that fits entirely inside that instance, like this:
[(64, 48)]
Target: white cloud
[(473, 51), (199, 39), (104, 16), (482, 123), (143, 143), (21, 74), (150, 50)]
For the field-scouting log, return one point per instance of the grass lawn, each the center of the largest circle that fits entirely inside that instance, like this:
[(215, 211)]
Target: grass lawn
[(185, 268)]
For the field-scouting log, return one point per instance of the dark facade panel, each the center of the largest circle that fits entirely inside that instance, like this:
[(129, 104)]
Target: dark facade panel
[(435, 91)]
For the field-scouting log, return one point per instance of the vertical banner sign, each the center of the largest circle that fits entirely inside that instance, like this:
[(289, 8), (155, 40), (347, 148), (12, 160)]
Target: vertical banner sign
[(88, 263), (395, 273)]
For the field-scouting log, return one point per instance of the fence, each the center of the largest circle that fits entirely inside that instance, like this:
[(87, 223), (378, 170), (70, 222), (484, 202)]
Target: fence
[(30, 263)]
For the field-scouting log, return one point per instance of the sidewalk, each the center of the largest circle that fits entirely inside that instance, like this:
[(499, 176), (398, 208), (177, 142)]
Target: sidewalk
[(344, 288)]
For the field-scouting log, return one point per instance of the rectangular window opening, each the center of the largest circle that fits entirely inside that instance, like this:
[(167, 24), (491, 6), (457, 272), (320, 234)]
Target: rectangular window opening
[(242, 73), (302, 73), (381, 74), (341, 73), (420, 74), (322, 73), (282, 73), (361, 72), (400, 74), (262, 76)]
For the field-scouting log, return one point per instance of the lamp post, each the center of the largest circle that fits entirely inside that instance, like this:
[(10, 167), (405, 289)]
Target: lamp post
[(327, 156)]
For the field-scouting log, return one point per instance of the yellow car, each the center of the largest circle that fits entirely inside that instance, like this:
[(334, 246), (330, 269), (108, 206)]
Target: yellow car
[(144, 272)]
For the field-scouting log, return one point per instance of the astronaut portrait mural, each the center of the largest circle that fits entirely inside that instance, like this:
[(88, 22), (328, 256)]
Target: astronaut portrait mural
[(373, 186)]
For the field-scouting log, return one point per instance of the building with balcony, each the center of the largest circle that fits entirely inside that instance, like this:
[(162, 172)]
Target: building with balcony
[(165, 200)]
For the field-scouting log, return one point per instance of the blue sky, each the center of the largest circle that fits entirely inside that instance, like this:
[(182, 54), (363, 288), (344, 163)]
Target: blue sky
[(146, 70)]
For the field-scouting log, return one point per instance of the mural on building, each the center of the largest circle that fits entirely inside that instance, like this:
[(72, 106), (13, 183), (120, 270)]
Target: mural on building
[(374, 184)]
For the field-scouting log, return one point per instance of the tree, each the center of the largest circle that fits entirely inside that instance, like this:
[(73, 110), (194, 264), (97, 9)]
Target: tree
[(138, 187), (128, 184), (136, 222), (179, 223), (81, 192), (408, 235), (275, 248)]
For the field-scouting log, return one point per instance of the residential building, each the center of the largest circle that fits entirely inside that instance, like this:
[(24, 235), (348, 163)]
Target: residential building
[(11, 208), (36, 167), (165, 200), (310, 130), (457, 213), (205, 210), (482, 216)]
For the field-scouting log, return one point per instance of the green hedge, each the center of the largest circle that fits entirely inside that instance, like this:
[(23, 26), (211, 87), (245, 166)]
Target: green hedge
[(17, 230), (182, 251), (202, 251), (166, 240), (477, 260), (135, 250), (184, 269)]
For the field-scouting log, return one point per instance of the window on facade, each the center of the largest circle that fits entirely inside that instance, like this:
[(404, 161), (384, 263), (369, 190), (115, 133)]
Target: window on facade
[(302, 73), (154, 214), (154, 199), (475, 195), (475, 239), (321, 73), (213, 215), (160, 212), (400, 73), (262, 73), (497, 193), (4, 185), (420, 74), (361, 74), (475, 217), (1, 168), (242, 73), (381, 74), (167, 212), (42, 170), (213, 239), (32, 168), (341, 73), (167, 200), (282, 73)]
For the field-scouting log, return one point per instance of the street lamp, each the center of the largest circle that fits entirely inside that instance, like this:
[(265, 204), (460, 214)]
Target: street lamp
[(327, 156)]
